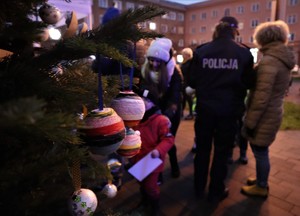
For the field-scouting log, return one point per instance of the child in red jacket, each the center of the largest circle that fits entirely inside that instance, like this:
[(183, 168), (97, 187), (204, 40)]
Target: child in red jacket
[(157, 139)]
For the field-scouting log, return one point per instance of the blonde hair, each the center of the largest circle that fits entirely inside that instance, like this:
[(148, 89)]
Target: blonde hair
[(188, 52), (160, 88), (268, 32)]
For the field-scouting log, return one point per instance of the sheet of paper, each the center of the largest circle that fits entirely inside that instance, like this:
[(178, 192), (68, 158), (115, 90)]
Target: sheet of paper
[(144, 167)]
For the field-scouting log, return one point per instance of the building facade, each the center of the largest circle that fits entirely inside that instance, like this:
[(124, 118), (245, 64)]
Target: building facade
[(192, 25)]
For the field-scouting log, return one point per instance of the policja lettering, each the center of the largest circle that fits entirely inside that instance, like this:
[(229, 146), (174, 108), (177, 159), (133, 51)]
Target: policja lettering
[(222, 63)]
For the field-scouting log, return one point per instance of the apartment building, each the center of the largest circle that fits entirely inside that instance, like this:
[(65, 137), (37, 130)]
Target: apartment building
[(171, 24), (192, 25), (201, 18)]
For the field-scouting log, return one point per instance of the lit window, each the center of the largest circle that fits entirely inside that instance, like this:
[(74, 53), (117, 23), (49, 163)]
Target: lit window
[(152, 26), (180, 30)]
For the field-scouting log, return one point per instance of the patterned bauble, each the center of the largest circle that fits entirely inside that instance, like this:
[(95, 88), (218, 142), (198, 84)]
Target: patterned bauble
[(103, 131), (110, 190), (49, 13), (114, 165), (129, 106), (43, 35), (131, 144), (83, 202)]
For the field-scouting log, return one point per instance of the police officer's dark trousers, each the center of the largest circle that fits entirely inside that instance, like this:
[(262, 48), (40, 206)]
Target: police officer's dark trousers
[(217, 132)]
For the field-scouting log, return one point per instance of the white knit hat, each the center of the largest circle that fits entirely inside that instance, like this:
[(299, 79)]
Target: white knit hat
[(160, 48)]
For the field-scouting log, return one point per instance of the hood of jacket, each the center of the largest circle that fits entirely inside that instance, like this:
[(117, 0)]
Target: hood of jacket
[(281, 52)]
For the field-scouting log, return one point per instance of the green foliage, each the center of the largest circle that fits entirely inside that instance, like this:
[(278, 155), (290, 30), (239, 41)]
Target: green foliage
[(291, 117), (39, 107)]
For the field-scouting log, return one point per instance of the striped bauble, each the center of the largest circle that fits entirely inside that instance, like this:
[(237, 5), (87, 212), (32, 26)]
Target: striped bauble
[(103, 131), (129, 106)]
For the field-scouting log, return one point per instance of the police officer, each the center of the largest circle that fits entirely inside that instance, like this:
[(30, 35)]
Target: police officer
[(221, 72)]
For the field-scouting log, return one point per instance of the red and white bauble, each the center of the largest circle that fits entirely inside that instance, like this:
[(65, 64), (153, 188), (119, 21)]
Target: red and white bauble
[(129, 106), (131, 144), (103, 131), (83, 202)]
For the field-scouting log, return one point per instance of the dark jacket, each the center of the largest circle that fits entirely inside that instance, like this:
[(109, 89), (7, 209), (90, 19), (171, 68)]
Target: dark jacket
[(185, 69), (173, 94), (221, 73)]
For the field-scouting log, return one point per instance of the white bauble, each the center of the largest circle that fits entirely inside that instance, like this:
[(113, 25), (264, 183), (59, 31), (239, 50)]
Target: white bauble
[(110, 190), (49, 14), (83, 202)]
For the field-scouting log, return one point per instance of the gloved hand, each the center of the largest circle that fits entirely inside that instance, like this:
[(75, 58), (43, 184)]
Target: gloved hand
[(189, 90), (169, 113), (247, 132), (146, 93), (155, 153)]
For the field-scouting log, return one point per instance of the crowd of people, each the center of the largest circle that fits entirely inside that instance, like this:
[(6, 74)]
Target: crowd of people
[(237, 103)]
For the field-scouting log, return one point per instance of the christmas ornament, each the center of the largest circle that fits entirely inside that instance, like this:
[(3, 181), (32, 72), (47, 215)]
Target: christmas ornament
[(83, 202), (110, 190), (44, 35), (114, 165), (129, 106), (5, 53), (131, 144), (49, 13), (72, 24), (103, 131)]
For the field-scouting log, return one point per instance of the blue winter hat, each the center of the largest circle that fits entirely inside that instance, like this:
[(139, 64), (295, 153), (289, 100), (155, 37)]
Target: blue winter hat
[(110, 14)]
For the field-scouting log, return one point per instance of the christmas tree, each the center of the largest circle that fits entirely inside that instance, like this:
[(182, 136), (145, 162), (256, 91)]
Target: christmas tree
[(40, 106)]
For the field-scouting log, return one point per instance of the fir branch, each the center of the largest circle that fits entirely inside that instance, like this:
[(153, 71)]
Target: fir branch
[(125, 27)]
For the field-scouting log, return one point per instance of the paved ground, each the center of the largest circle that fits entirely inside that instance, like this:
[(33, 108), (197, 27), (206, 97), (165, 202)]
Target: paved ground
[(177, 196)]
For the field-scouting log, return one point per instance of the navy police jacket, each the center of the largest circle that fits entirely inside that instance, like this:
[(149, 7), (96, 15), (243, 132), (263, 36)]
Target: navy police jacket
[(221, 73)]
